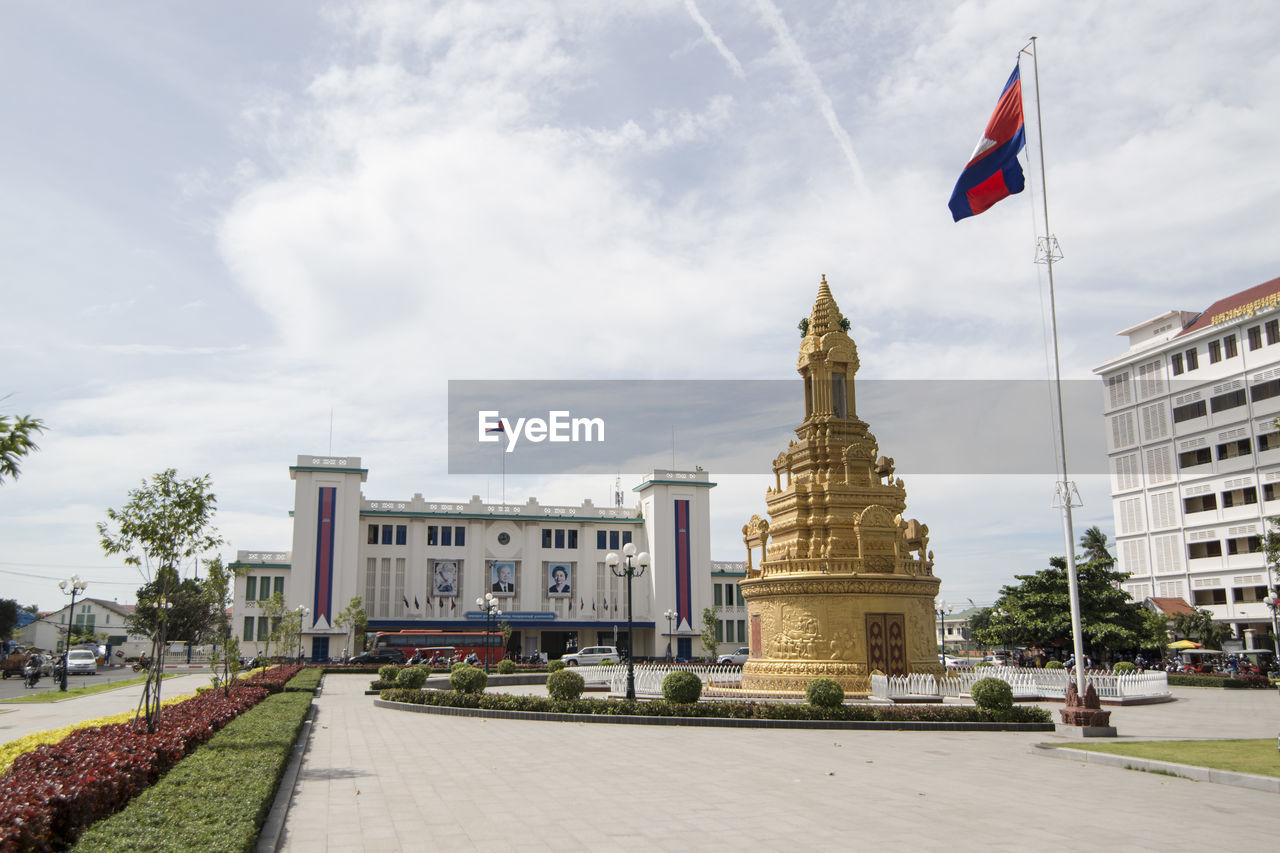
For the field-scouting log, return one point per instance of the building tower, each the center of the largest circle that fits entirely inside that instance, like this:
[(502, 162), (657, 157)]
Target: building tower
[(845, 584)]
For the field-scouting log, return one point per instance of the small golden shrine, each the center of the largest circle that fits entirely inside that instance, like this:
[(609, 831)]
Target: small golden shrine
[(844, 587)]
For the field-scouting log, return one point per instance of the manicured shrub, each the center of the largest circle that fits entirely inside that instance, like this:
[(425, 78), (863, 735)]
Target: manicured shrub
[(1053, 664), (564, 685), (608, 662), (555, 665), (723, 710), (982, 664), (1123, 666), (681, 687), (457, 665), (411, 677), (506, 666), (468, 679), (390, 672), (992, 694), (824, 693)]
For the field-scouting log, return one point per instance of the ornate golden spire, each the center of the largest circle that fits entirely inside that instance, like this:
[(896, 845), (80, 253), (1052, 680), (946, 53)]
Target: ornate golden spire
[(826, 315)]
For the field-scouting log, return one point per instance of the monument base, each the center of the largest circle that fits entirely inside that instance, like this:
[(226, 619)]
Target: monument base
[(1084, 717)]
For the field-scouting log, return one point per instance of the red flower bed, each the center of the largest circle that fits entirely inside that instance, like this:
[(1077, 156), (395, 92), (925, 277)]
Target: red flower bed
[(51, 794), (275, 678)]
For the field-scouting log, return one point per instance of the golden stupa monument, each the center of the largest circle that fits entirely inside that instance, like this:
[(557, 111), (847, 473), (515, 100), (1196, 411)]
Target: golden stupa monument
[(844, 587)]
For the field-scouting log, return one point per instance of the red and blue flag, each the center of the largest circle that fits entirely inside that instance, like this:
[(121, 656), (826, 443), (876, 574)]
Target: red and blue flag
[(993, 172)]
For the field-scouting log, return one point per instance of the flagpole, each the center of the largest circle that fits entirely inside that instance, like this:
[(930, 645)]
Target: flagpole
[(1047, 253)]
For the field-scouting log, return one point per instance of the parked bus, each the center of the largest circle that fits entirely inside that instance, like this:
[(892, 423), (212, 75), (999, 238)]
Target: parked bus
[(431, 641)]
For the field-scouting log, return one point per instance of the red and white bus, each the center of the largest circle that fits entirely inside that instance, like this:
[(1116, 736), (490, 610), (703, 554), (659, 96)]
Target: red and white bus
[(429, 641)]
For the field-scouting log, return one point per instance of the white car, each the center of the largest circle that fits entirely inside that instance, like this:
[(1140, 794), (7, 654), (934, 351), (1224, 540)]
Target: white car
[(81, 661), (737, 658), (592, 655)]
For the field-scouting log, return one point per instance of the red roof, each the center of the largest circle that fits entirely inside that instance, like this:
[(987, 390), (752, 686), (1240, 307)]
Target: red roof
[(1241, 303), (1171, 606)]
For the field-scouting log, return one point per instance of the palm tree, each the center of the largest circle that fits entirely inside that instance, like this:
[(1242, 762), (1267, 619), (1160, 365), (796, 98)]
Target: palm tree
[(1094, 544), (16, 441)]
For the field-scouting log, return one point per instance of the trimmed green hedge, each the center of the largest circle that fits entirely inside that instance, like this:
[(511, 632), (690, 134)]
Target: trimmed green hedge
[(217, 798), (733, 710), (1241, 682), (306, 681)]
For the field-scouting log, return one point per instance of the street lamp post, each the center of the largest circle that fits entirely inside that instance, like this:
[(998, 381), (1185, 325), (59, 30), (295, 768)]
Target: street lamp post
[(491, 612), (671, 616), (302, 614), (943, 610), (632, 565), (1273, 601), (72, 588)]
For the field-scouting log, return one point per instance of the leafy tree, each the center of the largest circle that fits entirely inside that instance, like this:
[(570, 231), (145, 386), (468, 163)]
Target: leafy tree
[(1156, 631), (709, 625), (8, 617), (16, 441), (165, 523), (1037, 610), (1200, 627), (184, 604), (353, 618), (226, 650), (284, 624), (1271, 550), (1094, 545)]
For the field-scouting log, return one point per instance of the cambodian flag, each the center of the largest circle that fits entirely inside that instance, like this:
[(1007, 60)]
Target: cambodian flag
[(993, 172)]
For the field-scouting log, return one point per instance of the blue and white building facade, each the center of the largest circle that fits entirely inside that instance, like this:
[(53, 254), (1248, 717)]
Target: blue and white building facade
[(419, 563), (1194, 454)]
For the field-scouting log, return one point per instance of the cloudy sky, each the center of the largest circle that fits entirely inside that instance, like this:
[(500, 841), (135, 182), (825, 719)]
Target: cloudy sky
[(228, 226)]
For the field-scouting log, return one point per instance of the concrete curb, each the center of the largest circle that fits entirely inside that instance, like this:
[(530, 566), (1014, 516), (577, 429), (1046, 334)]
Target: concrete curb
[(1269, 784), (273, 828), (718, 722)]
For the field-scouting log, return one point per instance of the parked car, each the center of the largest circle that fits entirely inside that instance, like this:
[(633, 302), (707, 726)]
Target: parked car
[(379, 656), (738, 658), (951, 663), (81, 661), (592, 655)]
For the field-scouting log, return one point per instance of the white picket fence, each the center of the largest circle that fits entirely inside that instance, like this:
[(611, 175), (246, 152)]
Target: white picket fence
[(649, 677), (1026, 684)]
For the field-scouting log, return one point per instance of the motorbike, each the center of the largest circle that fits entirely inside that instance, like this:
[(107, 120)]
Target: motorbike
[(141, 664), (31, 674)]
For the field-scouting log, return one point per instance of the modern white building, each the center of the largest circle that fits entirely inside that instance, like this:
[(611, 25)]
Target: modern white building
[(1194, 454), (419, 563)]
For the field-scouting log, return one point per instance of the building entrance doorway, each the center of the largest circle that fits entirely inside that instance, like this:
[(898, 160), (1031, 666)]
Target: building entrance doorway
[(556, 643)]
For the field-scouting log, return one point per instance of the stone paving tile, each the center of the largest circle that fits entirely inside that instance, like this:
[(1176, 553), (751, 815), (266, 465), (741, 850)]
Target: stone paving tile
[(458, 783)]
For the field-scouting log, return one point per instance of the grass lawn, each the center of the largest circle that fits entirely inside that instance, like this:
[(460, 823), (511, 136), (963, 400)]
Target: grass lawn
[(1243, 756), (56, 695)]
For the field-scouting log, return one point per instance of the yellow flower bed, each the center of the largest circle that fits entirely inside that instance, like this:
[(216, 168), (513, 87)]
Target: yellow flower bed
[(11, 750)]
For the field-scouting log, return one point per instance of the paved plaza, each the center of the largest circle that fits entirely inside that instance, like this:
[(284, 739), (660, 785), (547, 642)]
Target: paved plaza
[(381, 780), (376, 779)]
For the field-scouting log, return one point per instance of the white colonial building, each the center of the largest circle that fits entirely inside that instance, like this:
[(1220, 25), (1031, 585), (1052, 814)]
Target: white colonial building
[(419, 563), (97, 619), (1194, 453)]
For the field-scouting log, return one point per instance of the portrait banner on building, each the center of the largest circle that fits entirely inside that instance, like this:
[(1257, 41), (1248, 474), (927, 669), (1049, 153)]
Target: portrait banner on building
[(560, 580), (502, 577), (444, 577)]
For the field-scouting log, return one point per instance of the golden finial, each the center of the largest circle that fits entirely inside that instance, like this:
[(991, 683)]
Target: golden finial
[(825, 316)]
